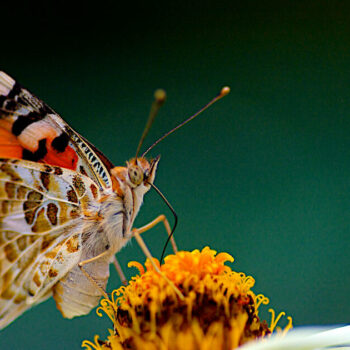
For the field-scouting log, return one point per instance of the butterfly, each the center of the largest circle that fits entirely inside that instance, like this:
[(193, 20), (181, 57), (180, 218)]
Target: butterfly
[(65, 210), (61, 202)]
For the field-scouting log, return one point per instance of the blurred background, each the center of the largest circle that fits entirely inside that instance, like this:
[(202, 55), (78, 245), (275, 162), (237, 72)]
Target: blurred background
[(263, 175)]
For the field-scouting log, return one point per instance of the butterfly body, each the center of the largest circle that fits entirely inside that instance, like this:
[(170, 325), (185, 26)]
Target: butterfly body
[(61, 203)]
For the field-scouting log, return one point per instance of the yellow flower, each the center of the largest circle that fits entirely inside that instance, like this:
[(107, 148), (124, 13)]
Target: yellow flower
[(218, 309)]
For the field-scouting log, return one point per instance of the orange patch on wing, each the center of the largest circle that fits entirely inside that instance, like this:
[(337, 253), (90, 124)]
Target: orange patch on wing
[(67, 159), (9, 145)]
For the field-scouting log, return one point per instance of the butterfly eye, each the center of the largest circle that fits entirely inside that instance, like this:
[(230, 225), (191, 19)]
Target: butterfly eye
[(135, 174)]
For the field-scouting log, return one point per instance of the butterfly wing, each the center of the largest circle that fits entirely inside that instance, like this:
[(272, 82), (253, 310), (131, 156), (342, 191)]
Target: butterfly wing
[(32, 283), (49, 185), (31, 130), (42, 211)]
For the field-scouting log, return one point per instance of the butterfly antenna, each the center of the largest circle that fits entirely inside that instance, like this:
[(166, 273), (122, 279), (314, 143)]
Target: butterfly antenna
[(175, 217), (159, 99), (224, 91)]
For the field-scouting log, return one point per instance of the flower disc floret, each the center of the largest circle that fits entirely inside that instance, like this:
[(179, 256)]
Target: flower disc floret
[(218, 308)]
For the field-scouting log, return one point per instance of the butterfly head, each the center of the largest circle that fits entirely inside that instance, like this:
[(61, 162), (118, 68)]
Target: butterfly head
[(141, 171), (138, 174)]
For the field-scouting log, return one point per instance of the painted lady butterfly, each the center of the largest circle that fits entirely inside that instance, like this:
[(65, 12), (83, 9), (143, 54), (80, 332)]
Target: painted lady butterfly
[(65, 210)]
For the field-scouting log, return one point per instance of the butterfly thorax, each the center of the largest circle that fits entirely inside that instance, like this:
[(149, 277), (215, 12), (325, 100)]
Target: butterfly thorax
[(130, 184), (111, 228)]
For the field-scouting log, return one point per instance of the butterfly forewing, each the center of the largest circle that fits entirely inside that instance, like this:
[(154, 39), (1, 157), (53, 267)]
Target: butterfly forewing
[(31, 130)]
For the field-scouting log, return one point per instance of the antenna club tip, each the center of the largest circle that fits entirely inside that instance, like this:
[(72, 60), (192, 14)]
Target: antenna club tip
[(225, 91), (160, 96)]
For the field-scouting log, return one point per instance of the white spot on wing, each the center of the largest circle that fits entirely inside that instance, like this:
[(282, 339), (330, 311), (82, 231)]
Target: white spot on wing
[(6, 84), (35, 132)]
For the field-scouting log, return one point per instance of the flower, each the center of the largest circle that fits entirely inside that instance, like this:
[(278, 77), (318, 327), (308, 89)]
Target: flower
[(197, 300)]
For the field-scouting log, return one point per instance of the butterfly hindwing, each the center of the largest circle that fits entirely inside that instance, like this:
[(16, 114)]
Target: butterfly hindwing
[(30, 279), (42, 211), (31, 130)]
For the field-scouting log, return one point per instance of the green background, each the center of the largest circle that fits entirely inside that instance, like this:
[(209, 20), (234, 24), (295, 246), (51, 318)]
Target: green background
[(264, 174)]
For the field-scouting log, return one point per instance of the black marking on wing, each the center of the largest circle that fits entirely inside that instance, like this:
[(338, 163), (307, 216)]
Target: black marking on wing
[(23, 121), (107, 163), (19, 98), (2, 99), (38, 154), (60, 142), (15, 91), (10, 105), (100, 166)]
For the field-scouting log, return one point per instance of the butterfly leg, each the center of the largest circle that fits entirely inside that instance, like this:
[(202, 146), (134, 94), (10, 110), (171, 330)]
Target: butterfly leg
[(143, 246), (120, 271), (161, 218), (157, 220), (88, 276)]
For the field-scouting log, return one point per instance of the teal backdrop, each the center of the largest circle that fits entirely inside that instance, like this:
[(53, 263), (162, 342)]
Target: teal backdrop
[(263, 175)]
